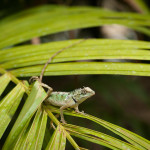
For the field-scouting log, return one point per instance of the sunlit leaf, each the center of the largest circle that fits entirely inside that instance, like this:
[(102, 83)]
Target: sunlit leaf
[(26, 25), (78, 68), (47, 136), (58, 140), (38, 139), (131, 137), (86, 50), (4, 80), (34, 100), (19, 142), (90, 49), (54, 119), (9, 105), (25, 61), (98, 137), (34, 138)]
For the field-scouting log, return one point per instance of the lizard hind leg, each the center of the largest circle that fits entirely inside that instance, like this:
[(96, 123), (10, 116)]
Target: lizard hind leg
[(52, 124), (50, 90), (36, 78), (48, 87)]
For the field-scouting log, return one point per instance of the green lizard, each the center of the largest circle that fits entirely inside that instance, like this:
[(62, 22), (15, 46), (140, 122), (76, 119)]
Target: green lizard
[(65, 99), (69, 99)]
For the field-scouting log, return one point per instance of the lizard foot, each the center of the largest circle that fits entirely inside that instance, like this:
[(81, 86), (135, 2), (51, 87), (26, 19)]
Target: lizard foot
[(52, 125), (80, 112), (63, 121)]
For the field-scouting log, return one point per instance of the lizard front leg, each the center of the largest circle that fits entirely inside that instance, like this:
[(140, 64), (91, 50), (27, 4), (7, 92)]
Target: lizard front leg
[(77, 110), (61, 113)]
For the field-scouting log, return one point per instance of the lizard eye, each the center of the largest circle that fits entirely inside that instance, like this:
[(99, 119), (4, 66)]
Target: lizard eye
[(83, 92)]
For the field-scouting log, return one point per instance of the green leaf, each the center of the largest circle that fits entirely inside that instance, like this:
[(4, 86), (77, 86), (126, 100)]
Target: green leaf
[(98, 137), (27, 61), (39, 137), (78, 68), (131, 137), (22, 137), (48, 134), (40, 134), (9, 105), (58, 140), (89, 49), (4, 80), (86, 50), (31, 137), (54, 119), (15, 29), (35, 135), (32, 103)]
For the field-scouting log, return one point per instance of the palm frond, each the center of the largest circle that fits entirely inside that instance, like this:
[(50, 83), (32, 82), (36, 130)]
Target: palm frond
[(9, 105), (91, 49), (32, 103), (24, 61), (59, 136), (97, 137), (134, 139), (28, 24), (4, 80)]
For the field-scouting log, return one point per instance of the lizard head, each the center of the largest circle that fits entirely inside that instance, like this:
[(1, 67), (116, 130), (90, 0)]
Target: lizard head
[(80, 95)]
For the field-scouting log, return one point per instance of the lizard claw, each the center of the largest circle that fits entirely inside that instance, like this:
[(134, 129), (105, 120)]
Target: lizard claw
[(63, 121), (80, 112), (53, 126)]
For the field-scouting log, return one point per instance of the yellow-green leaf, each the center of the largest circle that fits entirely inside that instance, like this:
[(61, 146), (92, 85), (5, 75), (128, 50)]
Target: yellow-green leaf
[(40, 132), (26, 25), (17, 145), (8, 106), (58, 140), (78, 68), (90, 49), (32, 103), (98, 137), (4, 80), (35, 135), (54, 119), (138, 141)]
